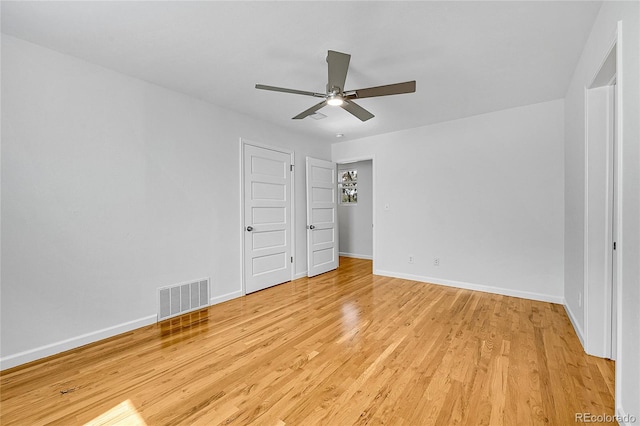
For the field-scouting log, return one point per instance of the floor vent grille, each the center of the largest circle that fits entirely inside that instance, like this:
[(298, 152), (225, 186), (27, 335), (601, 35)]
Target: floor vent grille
[(180, 298)]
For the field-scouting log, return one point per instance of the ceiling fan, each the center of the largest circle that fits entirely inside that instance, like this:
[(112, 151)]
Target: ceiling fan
[(338, 64)]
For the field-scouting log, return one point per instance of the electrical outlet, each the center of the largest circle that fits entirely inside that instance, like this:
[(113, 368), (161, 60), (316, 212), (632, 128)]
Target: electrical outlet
[(410, 259), (436, 261)]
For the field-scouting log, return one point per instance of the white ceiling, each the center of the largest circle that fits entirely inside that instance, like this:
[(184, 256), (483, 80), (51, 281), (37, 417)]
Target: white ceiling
[(468, 58)]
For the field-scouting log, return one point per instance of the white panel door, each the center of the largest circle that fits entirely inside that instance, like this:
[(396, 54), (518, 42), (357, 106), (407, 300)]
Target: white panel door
[(267, 217), (322, 229)]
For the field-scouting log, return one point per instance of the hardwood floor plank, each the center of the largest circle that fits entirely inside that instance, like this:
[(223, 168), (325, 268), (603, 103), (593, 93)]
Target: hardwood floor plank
[(346, 348)]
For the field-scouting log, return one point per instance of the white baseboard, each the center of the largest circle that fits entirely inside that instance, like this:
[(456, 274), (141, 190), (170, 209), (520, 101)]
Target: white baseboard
[(20, 358), (299, 275), (574, 322), (225, 297), (356, 256), (14, 360), (476, 287)]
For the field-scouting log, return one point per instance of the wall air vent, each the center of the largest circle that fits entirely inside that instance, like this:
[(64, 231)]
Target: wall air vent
[(181, 298)]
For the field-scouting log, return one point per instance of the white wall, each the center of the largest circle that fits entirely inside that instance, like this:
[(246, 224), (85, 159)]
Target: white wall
[(355, 220), (113, 187), (483, 194), (598, 43)]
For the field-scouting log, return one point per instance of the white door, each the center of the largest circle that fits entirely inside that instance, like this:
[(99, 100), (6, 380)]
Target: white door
[(322, 229), (267, 217)]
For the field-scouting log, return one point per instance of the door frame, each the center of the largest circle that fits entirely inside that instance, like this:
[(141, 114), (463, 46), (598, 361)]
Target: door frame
[(600, 345), (292, 236), (371, 158)]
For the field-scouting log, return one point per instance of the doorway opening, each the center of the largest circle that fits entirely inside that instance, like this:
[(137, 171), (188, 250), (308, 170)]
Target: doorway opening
[(356, 208)]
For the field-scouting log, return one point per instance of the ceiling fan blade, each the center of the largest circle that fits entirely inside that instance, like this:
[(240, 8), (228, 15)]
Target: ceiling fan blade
[(310, 111), (338, 67), (356, 110), (389, 89), (294, 91)]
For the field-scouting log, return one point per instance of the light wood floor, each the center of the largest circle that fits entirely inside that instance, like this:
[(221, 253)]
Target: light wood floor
[(343, 348)]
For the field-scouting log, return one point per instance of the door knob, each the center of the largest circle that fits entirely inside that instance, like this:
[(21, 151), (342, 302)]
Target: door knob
[(249, 228), (312, 227)]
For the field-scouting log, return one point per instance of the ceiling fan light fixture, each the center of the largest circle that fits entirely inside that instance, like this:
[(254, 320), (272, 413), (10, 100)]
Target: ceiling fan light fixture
[(335, 100)]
